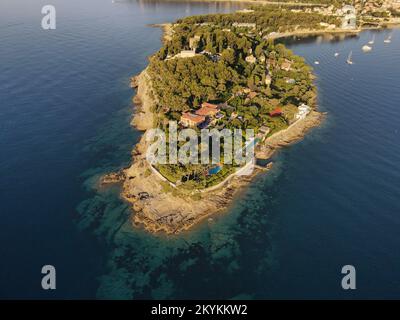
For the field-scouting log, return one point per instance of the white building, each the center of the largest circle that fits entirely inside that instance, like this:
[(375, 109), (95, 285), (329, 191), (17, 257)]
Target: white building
[(304, 110), (183, 54), (349, 17), (327, 25), (187, 54), (244, 25), (245, 11), (251, 59)]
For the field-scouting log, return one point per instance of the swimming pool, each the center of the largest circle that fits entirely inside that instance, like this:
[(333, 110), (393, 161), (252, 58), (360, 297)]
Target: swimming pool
[(214, 170)]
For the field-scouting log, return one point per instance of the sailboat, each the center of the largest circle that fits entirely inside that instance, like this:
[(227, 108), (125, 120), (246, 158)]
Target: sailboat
[(349, 61), (336, 54), (372, 40), (388, 39)]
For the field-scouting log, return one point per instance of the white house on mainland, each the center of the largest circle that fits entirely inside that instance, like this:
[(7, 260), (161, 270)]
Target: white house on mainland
[(349, 17), (244, 25)]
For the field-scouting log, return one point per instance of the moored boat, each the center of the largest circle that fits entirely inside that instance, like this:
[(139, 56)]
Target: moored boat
[(372, 41), (349, 58), (388, 39), (366, 48)]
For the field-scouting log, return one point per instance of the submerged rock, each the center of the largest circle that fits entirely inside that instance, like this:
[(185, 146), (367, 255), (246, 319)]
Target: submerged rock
[(113, 177)]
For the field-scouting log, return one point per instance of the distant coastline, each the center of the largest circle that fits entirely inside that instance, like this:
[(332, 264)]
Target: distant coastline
[(258, 2)]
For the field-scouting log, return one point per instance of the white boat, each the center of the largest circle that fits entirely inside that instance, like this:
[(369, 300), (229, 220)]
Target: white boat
[(336, 54), (388, 39), (316, 62), (349, 61), (366, 48), (372, 41)]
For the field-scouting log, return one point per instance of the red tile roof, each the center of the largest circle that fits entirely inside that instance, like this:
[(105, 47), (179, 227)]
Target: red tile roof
[(209, 105), (206, 111), (276, 112), (193, 117)]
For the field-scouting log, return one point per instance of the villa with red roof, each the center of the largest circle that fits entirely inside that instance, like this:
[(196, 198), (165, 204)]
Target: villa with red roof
[(192, 120), (207, 110), (276, 112), (209, 105)]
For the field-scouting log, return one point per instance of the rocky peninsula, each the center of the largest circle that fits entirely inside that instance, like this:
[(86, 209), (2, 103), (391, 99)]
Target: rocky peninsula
[(159, 204)]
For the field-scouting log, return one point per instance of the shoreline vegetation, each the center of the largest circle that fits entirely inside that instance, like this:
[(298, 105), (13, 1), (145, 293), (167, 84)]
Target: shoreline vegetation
[(260, 76)]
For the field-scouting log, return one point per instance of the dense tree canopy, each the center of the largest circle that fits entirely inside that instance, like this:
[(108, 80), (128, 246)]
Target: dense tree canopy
[(230, 65)]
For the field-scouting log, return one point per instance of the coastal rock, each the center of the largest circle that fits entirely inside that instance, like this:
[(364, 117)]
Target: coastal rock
[(113, 177), (143, 101), (134, 82), (263, 152), (160, 208), (137, 101), (172, 211), (295, 132)]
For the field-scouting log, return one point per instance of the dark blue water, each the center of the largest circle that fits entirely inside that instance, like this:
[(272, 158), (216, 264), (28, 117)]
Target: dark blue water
[(65, 109), (339, 188), (64, 97)]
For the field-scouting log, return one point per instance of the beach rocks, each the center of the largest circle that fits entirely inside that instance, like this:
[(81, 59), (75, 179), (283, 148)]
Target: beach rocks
[(143, 195), (134, 82), (113, 177), (157, 206), (263, 152), (137, 101)]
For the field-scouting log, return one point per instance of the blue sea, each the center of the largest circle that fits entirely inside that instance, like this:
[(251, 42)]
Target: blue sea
[(65, 109)]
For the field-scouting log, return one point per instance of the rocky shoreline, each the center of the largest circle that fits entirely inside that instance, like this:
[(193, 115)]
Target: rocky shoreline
[(159, 207), (156, 205), (143, 101)]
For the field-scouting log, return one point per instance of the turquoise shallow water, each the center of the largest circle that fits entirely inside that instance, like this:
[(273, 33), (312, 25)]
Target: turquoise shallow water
[(330, 200)]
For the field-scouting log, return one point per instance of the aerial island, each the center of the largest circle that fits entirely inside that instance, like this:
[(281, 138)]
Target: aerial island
[(229, 71)]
